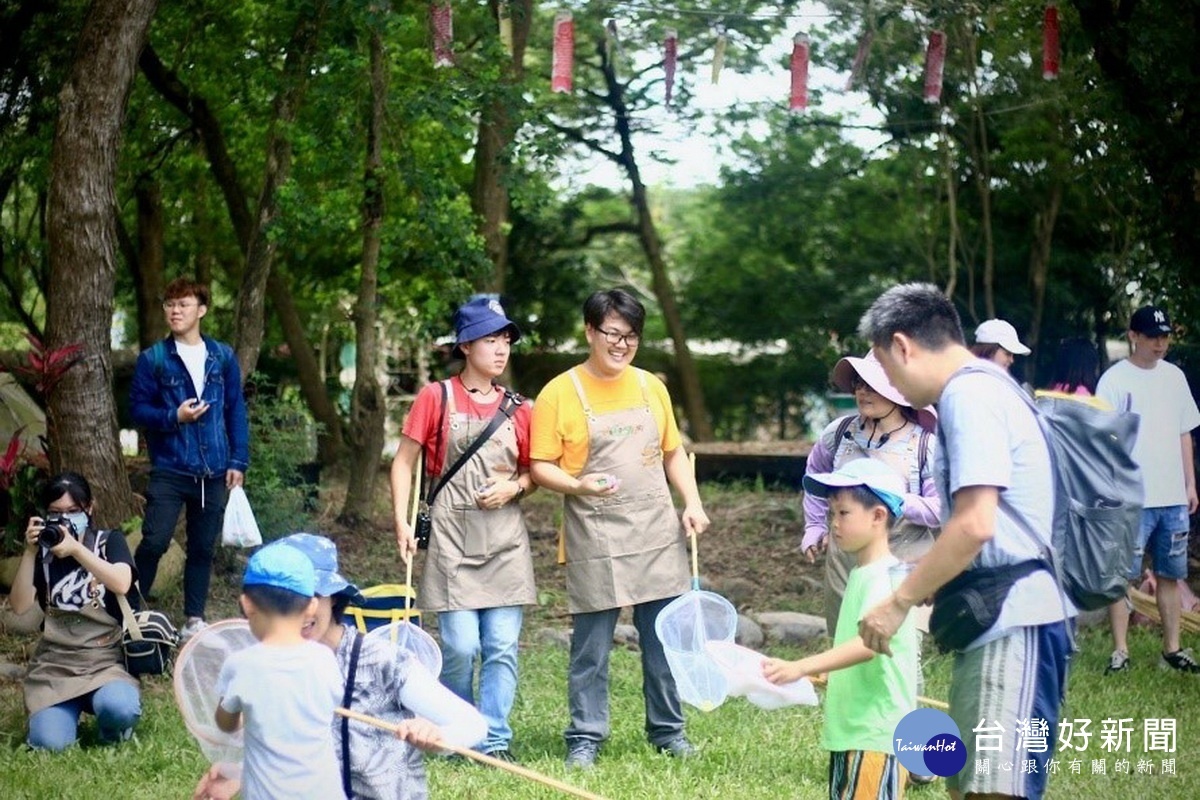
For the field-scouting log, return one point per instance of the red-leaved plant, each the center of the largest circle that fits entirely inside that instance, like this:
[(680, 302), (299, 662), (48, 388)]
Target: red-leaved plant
[(47, 367)]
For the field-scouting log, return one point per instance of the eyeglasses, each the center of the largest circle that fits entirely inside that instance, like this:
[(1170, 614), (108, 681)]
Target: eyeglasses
[(616, 337), (182, 305)]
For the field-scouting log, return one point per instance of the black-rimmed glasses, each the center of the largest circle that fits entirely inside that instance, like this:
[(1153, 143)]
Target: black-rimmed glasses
[(616, 337)]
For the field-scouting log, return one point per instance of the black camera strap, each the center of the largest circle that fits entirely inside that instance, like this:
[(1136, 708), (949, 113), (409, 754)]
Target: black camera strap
[(507, 407)]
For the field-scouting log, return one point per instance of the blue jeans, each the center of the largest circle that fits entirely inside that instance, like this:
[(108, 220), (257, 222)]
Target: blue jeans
[(117, 706), (491, 634), (1164, 534), (204, 499)]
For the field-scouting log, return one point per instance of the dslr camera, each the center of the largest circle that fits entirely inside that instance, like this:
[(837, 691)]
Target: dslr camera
[(54, 528)]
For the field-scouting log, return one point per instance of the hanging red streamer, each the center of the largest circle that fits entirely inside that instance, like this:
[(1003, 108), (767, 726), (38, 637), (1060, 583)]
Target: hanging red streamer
[(563, 64), (860, 58), (670, 60), (443, 35), (799, 96), (1050, 50), (935, 61)]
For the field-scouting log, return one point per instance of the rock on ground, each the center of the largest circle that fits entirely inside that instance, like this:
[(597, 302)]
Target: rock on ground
[(791, 627)]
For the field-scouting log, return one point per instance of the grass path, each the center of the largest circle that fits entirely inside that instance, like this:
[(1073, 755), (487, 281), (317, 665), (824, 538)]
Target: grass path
[(747, 752)]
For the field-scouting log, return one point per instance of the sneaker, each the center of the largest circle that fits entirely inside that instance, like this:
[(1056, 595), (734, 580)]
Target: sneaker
[(503, 754), (1180, 661), (1117, 662), (582, 754), (679, 747), (190, 628)]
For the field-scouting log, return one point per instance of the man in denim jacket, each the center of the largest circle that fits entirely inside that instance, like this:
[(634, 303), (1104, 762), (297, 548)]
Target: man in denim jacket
[(187, 396)]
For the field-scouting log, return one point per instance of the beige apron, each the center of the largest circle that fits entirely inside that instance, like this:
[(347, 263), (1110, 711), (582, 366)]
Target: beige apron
[(908, 541), (625, 548), (477, 558), (79, 652)]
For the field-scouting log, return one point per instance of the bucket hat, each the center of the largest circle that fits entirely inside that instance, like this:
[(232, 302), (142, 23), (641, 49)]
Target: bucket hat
[(871, 372), (479, 317)]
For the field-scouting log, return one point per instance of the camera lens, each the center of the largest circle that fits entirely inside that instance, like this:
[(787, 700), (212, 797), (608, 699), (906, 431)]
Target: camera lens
[(50, 536)]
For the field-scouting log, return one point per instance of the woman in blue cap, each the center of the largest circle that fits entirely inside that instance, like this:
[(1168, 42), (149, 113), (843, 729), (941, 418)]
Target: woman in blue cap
[(478, 574), (385, 682)]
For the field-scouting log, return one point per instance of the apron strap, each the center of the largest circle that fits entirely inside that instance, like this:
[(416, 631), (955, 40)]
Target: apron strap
[(351, 672)]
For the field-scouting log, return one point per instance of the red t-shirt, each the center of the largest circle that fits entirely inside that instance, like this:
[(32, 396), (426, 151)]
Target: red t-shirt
[(426, 413)]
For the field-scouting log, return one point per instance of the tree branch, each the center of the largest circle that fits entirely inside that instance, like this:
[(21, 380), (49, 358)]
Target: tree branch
[(577, 137)]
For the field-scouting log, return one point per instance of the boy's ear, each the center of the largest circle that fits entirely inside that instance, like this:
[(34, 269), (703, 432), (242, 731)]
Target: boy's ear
[(247, 605), (311, 609), (880, 514)]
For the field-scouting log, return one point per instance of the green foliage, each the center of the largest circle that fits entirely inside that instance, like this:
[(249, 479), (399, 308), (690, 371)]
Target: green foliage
[(282, 439), (19, 504)]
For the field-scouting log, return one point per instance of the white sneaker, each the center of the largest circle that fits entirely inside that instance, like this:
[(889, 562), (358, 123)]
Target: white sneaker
[(190, 628)]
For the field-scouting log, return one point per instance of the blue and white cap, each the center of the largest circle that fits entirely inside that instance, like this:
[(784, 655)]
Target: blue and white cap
[(322, 552), (869, 473)]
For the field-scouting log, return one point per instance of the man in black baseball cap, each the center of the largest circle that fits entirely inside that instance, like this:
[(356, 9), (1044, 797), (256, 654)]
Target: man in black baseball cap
[(1158, 392)]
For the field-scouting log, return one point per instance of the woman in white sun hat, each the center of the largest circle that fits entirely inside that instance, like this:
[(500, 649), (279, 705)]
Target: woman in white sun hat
[(886, 428), (996, 341)]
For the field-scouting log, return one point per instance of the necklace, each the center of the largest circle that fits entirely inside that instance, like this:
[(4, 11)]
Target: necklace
[(491, 389), (888, 435)]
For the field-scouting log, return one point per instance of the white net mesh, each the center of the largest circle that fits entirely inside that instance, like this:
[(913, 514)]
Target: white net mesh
[(684, 627), (197, 668), (742, 668), (414, 640)]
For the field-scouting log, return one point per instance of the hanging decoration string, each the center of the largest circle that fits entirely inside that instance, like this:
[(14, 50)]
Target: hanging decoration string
[(504, 14), (798, 99), (719, 56), (562, 66), (670, 59), (1050, 51), (935, 61), (443, 34)]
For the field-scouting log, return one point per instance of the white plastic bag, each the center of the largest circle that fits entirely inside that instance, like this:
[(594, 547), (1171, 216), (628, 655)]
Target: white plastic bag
[(240, 528)]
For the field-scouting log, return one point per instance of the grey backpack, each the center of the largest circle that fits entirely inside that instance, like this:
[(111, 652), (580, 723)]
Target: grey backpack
[(1097, 493)]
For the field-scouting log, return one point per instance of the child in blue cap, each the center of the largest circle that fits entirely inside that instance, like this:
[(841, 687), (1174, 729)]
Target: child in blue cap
[(868, 693), (283, 689)]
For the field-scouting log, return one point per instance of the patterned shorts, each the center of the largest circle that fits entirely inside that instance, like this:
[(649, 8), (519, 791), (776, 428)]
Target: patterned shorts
[(865, 775)]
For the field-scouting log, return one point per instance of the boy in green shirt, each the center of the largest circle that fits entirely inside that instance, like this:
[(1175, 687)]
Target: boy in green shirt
[(868, 694)]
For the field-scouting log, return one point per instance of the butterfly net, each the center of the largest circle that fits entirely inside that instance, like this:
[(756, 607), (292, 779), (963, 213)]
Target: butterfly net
[(197, 668), (684, 627), (414, 640)]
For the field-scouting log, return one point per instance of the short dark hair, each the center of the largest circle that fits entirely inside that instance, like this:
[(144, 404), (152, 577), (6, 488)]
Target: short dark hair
[(918, 310), (339, 603), (187, 287), (275, 600), (985, 350), (1076, 363), (865, 498), (66, 483), (614, 301)]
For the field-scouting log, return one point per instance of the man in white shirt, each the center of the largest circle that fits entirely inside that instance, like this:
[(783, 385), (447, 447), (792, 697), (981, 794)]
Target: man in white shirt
[(1158, 392)]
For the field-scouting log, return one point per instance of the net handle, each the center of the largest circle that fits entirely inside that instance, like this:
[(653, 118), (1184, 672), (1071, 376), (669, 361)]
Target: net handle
[(466, 752), (692, 534)]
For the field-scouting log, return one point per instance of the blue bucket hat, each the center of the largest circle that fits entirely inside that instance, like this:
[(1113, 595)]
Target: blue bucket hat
[(879, 478), (283, 568), (322, 552), (479, 317)]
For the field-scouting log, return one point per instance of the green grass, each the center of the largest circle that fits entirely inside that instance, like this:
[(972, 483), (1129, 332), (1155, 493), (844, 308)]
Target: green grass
[(747, 752)]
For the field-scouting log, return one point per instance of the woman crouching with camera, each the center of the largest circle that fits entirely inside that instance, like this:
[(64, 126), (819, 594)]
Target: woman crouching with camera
[(75, 573)]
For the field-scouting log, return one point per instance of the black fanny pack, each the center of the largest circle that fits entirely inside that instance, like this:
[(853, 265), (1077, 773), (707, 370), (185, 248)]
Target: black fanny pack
[(970, 604)]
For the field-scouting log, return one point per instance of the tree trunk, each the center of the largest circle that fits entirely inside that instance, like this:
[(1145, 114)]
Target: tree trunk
[(81, 414), (664, 291), (489, 195), (367, 409), (330, 441), (151, 263), (249, 314), (224, 171), (1039, 266)]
